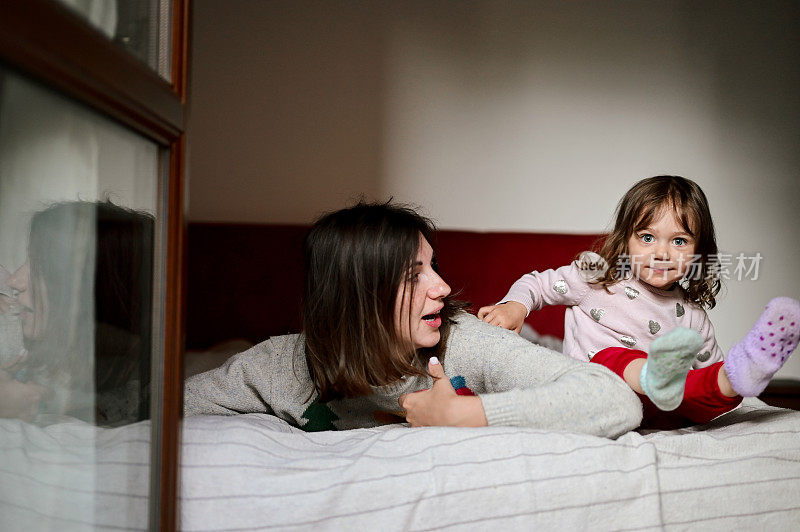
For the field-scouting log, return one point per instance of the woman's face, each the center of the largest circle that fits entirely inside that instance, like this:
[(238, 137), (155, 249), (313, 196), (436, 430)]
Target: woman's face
[(417, 319), (20, 281)]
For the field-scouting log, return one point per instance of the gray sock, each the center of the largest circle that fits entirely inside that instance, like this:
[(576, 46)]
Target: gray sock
[(663, 376)]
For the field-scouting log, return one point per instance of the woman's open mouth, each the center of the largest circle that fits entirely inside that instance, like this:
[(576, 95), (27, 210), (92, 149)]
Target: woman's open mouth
[(433, 320)]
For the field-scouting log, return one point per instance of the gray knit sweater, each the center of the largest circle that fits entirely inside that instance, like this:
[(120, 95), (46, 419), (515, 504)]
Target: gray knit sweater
[(519, 384)]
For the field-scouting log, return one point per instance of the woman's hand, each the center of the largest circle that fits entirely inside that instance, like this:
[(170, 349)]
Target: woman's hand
[(19, 399), (441, 405), (12, 365), (509, 315), (6, 303)]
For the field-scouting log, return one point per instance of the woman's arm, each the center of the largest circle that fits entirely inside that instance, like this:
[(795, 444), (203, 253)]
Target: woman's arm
[(528, 385), (241, 385)]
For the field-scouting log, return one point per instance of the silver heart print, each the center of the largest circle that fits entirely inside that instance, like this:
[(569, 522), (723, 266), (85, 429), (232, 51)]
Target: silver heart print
[(560, 287), (702, 357), (630, 341)]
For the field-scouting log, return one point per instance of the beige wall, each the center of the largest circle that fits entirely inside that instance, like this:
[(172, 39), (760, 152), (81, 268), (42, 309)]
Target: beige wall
[(530, 116)]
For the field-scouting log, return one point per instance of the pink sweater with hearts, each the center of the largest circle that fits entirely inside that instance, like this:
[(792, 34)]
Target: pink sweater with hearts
[(632, 315)]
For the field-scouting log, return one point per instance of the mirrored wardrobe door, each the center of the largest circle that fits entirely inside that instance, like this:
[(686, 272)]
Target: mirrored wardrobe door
[(91, 233)]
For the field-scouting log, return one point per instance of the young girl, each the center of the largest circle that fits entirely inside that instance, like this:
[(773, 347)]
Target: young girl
[(637, 308)]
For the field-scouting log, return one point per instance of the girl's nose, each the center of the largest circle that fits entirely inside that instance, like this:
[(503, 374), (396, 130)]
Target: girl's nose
[(661, 252)]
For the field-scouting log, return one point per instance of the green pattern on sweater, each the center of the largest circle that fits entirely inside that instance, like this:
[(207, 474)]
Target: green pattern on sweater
[(320, 417)]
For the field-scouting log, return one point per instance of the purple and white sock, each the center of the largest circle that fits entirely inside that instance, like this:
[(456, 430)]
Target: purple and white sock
[(751, 363)]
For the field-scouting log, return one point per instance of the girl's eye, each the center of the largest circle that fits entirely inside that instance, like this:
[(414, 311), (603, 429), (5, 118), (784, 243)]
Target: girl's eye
[(647, 238), (680, 241)]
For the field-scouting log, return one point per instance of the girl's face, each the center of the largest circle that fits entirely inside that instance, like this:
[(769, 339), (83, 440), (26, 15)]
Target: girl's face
[(661, 252), (20, 281), (418, 319)]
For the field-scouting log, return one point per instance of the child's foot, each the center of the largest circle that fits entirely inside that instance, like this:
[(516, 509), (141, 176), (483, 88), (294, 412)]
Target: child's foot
[(751, 363), (663, 376)]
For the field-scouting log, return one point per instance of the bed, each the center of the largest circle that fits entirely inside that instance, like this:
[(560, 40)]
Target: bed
[(256, 472)]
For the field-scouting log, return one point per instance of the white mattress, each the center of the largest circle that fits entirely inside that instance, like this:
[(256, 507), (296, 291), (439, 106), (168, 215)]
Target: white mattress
[(255, 472)]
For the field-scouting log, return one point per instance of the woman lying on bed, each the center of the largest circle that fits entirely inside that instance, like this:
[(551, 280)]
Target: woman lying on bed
[(380, 334)]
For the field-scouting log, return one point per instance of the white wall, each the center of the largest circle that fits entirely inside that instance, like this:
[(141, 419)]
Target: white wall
[(285, 109), (530, 116)]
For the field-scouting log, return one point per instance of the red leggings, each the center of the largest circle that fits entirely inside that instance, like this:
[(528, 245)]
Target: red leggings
[(702, 398)]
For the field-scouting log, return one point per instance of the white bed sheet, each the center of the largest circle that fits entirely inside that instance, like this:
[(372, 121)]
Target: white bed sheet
[(256, 472)]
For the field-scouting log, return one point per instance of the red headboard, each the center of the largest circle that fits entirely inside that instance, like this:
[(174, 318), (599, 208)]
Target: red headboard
[(245, 281), (485, 265)]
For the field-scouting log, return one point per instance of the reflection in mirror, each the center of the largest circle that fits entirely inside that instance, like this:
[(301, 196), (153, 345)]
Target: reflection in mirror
[(82, 302), (78, 196), (139, 26)]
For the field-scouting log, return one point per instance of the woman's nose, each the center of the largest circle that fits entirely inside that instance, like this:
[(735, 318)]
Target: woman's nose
[(19, 279), (439, 288)]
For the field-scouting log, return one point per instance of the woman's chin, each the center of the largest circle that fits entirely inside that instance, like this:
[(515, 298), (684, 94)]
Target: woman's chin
[(428, 339)]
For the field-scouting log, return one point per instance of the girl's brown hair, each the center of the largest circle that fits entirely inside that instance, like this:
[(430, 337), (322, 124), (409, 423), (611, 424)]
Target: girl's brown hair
[(640, 205), (357, 259)]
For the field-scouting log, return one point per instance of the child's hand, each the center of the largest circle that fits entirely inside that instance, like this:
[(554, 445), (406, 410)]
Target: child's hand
[(509, 315)]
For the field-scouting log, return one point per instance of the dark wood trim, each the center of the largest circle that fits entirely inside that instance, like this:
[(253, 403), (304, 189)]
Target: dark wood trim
[(174, 311), (46, 40), (175, 292), (181, 17)]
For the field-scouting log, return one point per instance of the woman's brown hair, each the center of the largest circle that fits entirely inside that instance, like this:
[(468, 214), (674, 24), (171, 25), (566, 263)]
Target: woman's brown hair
[(91, 268), (357, 259), (640, 205)]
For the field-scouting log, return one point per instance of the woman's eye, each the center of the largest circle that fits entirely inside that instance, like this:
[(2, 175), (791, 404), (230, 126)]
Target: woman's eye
[(679, 241), (647, 239)]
